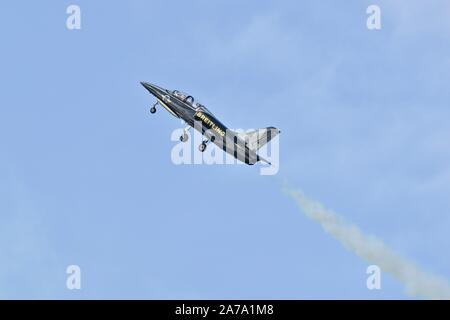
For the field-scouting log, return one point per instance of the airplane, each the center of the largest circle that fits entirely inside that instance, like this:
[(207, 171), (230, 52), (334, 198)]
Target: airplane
[(241, 145)]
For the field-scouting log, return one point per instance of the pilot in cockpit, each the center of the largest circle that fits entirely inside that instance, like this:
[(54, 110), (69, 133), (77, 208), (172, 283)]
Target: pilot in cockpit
[(184, 97), (190, 100)]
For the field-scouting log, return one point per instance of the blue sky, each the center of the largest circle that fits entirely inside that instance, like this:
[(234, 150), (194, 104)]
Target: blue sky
[(85, 170)]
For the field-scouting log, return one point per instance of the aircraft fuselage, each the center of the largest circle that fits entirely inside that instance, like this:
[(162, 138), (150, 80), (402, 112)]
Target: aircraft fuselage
[(197, 116)]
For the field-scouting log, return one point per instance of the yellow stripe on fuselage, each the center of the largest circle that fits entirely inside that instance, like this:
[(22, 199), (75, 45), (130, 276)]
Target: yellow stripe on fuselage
[(166, 107)]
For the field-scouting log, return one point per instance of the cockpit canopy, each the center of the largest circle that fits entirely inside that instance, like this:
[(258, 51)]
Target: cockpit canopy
[(190, 100), (183, 96)]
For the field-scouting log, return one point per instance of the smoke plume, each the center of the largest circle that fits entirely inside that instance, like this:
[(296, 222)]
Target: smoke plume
[(373, 250)]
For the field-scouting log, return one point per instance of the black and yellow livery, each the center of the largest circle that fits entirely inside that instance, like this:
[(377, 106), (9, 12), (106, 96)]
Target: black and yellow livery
[(243, 146)]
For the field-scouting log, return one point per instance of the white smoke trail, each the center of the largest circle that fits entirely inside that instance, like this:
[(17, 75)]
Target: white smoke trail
[(373, 250)]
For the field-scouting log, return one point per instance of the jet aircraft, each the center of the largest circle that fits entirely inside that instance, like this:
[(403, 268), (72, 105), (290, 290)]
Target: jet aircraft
[(243, 146)]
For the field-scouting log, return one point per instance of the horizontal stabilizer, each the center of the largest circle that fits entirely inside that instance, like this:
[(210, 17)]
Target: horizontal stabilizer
[(258, 138)]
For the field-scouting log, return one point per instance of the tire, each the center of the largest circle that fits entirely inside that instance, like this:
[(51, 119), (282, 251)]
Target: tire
[(184, 137)]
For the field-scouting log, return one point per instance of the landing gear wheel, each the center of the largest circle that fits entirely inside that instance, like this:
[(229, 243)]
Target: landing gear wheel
[(152, 109), (202, 147), (184, 137)]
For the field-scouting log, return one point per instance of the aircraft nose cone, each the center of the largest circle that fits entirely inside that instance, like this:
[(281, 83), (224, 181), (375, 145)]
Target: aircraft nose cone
[(146, 85), (153, 89)]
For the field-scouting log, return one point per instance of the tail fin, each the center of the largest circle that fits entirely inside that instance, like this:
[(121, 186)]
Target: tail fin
[(258, 138)]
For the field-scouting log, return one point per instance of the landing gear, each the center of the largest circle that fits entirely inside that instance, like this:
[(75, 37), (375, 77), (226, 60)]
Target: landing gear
[(184, 137), (202, 147), (153, 109)]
